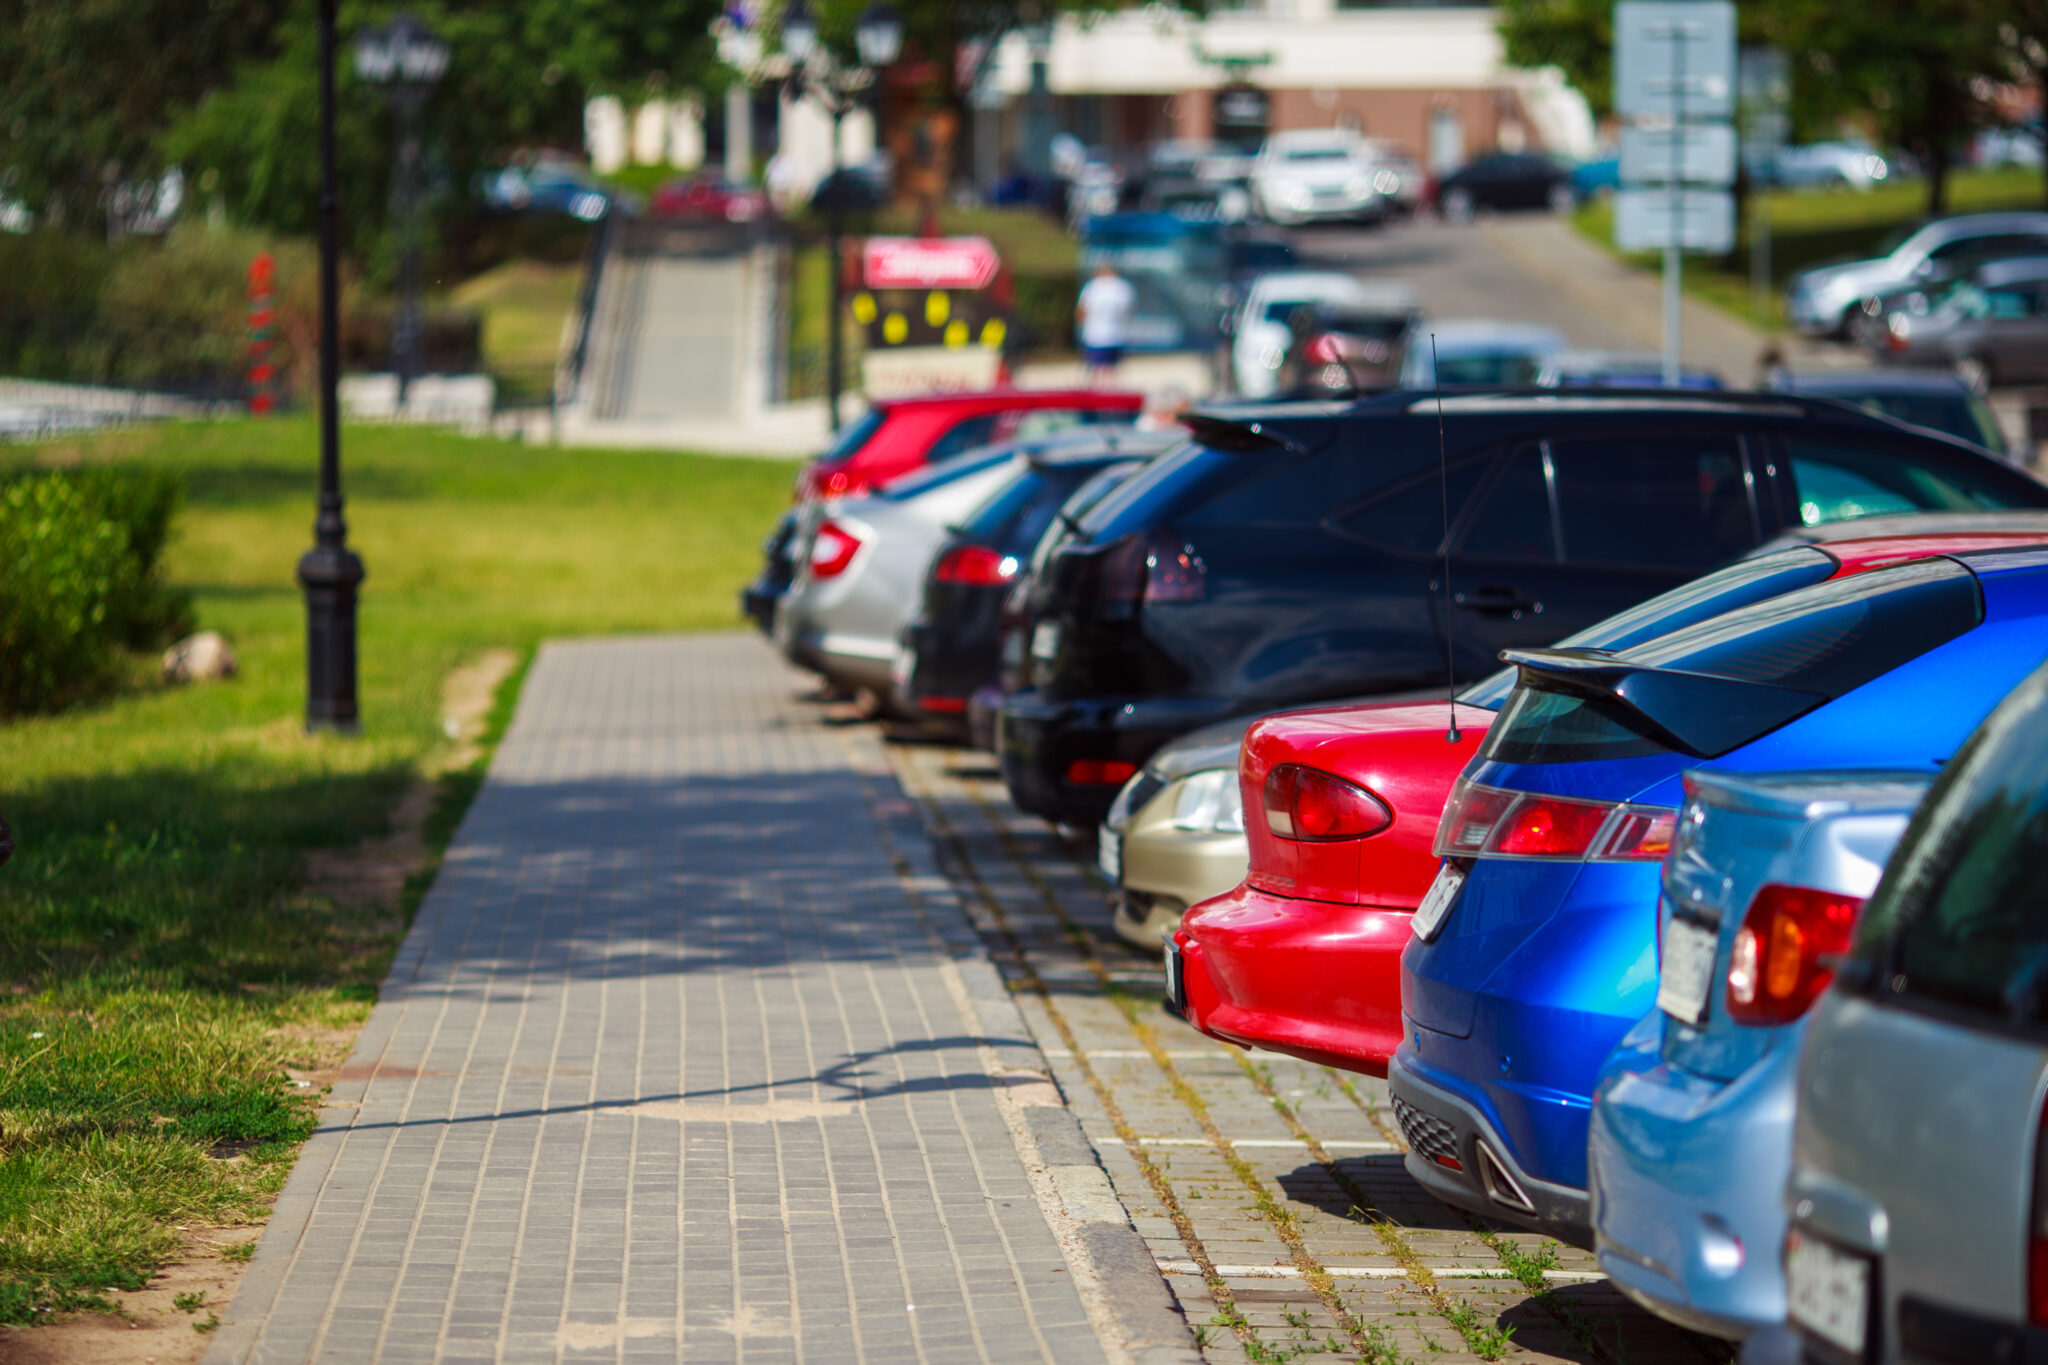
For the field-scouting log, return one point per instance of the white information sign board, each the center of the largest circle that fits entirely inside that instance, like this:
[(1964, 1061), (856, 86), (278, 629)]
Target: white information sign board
[(1699, 153), (1704, 220), (1674, 60)]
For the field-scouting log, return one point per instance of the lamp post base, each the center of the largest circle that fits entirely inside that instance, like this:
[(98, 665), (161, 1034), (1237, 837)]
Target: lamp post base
[(330, 575)]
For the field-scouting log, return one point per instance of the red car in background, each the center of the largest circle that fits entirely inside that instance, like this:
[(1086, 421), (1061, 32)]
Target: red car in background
[(899, 435), (708, 199), (1341, 809)]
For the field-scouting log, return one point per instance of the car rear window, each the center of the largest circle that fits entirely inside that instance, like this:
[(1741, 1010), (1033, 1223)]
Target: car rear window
[(1824, 640), (1959, 925), (1016, 515), (1488, 367), (856, 435), (932, 476), (1962, 415)]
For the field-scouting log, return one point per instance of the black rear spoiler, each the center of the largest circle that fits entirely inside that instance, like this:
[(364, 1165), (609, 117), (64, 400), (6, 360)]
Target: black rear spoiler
[(1703, 714)]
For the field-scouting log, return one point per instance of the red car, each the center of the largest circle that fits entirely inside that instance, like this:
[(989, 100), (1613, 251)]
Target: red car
[(1341, 809), (898, 435), (708, 199)]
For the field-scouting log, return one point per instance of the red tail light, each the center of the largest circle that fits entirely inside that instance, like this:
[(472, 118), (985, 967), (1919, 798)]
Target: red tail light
[(833, 549), (1775, 971), (1313, 806), (1100, 772), (1322, 350), (841, 483), (944, 706), (977, 566), (1490, 822)]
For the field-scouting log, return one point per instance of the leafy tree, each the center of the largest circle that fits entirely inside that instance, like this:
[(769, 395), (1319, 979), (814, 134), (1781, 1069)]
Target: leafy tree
[(89, 83)]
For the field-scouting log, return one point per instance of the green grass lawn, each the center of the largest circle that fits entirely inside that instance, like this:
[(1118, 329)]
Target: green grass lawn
[(162, 964), (1814, 227)]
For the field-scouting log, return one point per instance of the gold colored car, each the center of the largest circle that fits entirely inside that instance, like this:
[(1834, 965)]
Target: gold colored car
[(1175, 835)]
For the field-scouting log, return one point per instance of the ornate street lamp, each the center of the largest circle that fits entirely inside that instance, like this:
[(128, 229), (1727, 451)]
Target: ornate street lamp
[(330, 572), (407, 59)]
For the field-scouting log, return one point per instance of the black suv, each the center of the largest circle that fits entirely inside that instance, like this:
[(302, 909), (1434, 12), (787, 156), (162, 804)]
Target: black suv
[(1295, 554)]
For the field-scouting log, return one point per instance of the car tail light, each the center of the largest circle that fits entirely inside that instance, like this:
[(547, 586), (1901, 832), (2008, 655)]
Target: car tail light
[(2037, 1230), (977, 566), (1100, 772), (944, 706), (841, 483), (1313, 806), (1159, 567), (1775, 970), (1490, 822), (833, 549), (1322, 350)]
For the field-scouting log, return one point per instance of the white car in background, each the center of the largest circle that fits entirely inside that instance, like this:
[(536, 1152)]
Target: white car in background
[(1263, 325), (1318, 175)]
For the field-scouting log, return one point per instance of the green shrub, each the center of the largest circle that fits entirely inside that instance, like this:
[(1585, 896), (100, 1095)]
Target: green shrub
[(79, 580)]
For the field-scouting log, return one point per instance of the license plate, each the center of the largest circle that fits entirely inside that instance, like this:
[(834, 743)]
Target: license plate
[(1686, 978), (1429, 917), (1176, 993), (1045, 641), (1827, 1292), (1109, 854), (900, 666)]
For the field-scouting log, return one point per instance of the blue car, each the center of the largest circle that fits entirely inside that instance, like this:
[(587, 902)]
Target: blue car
[(1535, 951), (1692, 1119)]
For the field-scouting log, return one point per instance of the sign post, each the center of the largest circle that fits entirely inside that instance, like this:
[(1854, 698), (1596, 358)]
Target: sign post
[(1674, 77), (1765, 88)]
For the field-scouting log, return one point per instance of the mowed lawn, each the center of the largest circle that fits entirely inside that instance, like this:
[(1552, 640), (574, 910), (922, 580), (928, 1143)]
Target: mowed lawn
[(163, 965)]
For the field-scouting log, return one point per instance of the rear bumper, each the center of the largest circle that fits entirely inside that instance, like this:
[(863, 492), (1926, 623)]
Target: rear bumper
[(944, 671), (1442, 1125), (1037, 741), (1308, 978), (850, 660), (1686, 1177)]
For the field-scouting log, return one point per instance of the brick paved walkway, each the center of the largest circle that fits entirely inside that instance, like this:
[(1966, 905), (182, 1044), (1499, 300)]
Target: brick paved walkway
[(675, 1062)]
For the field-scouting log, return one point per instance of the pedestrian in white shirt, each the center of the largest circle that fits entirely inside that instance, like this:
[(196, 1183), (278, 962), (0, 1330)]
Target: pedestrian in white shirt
[(1104, 312)]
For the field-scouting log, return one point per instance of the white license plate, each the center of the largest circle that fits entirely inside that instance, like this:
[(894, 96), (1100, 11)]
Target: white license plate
[(1827, 1292), (1429, 917), (1175, 995), (1045, 641), (1686, 977), (900, 666), (1109, 854)]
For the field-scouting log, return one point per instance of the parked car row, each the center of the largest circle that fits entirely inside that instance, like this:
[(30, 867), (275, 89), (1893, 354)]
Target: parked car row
[(1598, 916)]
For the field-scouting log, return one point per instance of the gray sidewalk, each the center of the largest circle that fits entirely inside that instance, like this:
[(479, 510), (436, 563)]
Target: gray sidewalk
[(679, 1062)]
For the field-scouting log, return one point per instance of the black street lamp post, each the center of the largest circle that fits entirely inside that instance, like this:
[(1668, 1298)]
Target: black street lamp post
[(406, 58), (878, 37), (330, 572)]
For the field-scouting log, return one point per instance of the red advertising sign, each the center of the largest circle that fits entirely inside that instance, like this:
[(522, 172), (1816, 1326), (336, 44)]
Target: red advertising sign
[(928, 263)]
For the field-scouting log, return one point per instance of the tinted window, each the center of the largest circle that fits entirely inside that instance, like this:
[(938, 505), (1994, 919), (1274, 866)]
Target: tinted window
[(1076, 508), (1839, 482), (1824, 640), (965, 436), (1515, 522), (1666, 502), (1300, 493), (1017, 515), (1961, 918), (1738, 585), (1411, 517), (1488, 367)]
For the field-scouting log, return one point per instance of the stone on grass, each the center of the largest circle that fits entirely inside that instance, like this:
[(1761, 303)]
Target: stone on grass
[(197, 658)]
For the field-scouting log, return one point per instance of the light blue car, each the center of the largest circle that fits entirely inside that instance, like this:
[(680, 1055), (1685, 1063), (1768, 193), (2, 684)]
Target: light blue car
[(1691, 1137)]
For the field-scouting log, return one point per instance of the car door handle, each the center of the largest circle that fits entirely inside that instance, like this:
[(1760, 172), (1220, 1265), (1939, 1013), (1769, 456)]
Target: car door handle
[(1495, 600)]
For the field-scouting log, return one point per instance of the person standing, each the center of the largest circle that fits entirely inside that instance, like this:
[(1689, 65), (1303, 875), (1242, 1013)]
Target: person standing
[(1104, 314)]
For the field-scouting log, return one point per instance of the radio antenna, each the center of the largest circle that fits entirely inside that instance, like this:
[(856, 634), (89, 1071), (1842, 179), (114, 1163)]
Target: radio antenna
[(1443, 469)]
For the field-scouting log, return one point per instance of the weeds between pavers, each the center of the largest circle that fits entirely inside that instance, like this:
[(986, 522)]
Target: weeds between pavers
[(155, 930)]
